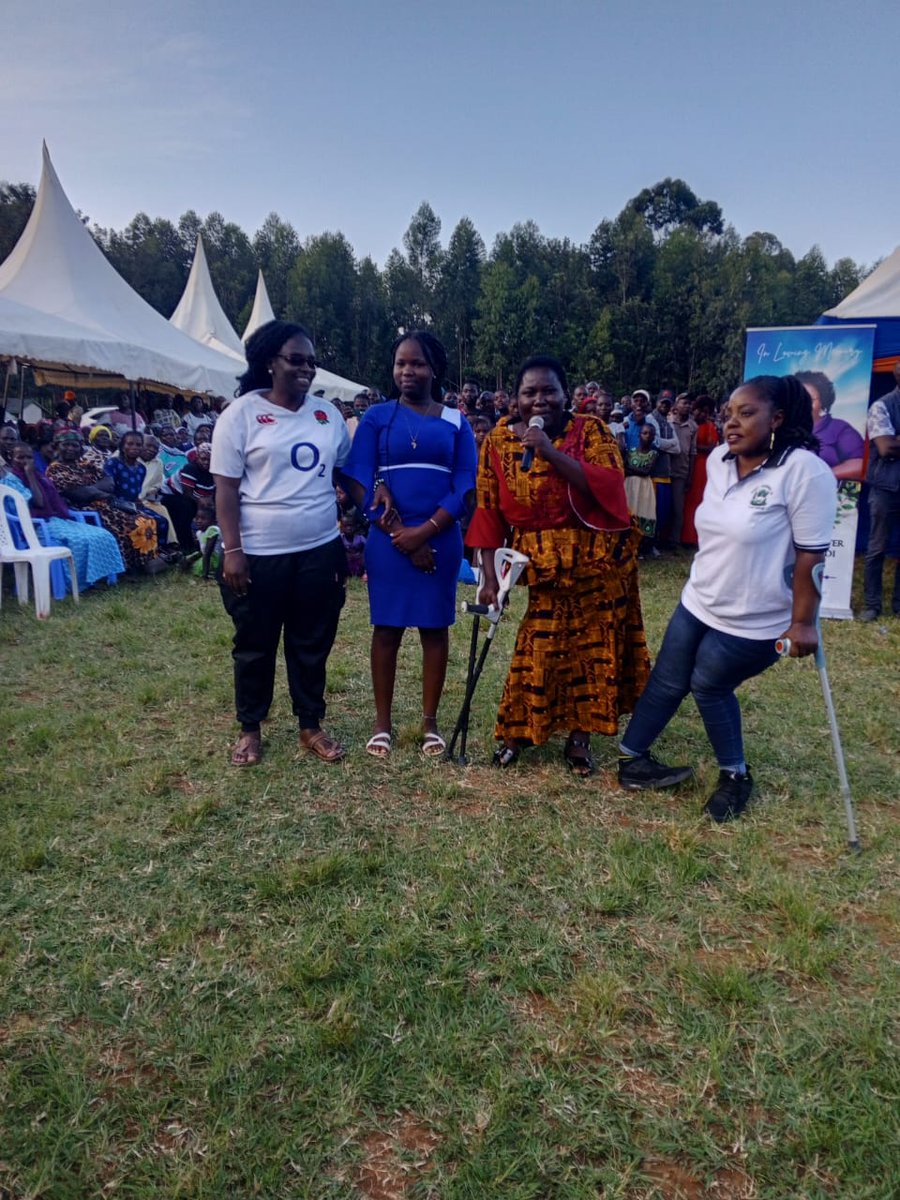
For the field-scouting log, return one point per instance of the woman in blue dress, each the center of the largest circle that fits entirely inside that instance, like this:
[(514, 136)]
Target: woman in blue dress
[(128, 474), (413, 466)]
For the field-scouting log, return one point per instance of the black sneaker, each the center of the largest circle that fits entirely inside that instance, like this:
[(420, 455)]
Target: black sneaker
[(730, 797), (642, 771)]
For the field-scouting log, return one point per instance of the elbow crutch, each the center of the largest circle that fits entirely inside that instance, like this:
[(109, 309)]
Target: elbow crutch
[(509, 565), (783, 646)]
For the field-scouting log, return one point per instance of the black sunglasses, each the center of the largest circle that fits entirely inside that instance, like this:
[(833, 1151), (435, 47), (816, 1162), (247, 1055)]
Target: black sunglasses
[(298, 360)]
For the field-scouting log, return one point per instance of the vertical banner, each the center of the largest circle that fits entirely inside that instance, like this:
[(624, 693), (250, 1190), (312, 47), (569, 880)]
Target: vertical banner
[(834, 364)]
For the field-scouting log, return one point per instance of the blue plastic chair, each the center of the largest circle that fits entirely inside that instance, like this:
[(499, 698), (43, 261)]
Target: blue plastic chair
[(59, 577)]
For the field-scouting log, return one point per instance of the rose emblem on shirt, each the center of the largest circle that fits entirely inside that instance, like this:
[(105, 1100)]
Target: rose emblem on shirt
[(321, 417)]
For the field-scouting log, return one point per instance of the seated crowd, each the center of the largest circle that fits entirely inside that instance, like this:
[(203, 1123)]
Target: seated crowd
[(130, 493)]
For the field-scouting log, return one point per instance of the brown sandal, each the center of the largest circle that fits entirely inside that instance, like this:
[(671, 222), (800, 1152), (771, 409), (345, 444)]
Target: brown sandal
[(577, 754), (322, 744), (248, 750)]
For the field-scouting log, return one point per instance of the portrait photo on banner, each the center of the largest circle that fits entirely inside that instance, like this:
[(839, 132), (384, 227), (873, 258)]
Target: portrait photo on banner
[(835, 367)]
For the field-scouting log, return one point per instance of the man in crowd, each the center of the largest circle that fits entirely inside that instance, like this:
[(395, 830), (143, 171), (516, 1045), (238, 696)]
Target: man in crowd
[(468, 395), (485, 404), (662, 477), (640, 415), (883, 478), (681, 463)]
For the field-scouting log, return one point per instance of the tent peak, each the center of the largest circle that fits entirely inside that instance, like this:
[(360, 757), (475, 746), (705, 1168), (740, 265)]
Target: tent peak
[(262, 311)]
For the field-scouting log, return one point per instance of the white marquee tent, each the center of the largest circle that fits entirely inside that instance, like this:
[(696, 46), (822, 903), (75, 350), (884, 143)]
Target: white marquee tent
[(79, 312), (61, 343), (877, 299), (262, 309), (334, 386), (200, 315)]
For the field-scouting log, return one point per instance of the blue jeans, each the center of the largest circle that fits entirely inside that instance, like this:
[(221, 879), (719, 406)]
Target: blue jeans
[(710, 665)]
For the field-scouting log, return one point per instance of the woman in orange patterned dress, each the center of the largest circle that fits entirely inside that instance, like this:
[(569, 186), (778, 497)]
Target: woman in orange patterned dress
[(580, 660)]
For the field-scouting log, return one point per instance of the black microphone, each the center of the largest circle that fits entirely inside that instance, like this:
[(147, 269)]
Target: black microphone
[(528, 456)]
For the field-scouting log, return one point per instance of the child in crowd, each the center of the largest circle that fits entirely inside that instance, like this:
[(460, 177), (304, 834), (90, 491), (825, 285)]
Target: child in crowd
[(354, 544), (481, 426), (639, 465)]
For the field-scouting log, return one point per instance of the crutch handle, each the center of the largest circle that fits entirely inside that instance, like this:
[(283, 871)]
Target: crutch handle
[(480, 610)]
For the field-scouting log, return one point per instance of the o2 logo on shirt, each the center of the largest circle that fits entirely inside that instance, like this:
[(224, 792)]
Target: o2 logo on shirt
[(305, 457)]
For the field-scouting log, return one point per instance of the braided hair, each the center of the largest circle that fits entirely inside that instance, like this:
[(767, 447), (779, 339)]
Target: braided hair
[(261, 347), (433, 353), (543, 362), (785, 393)]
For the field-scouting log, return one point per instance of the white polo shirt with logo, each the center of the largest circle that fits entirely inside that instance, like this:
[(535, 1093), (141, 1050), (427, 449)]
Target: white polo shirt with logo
[(749, 531), (284, 461)]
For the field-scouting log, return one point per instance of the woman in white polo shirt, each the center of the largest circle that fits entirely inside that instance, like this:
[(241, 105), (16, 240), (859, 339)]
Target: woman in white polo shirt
[(275, 450), (764, 523)]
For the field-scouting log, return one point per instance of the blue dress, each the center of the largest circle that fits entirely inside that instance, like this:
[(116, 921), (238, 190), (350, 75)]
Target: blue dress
[(428, 463), (129, 481)]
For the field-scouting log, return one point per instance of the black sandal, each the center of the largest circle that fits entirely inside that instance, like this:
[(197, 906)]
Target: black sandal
[(505, 756), (581, 764)]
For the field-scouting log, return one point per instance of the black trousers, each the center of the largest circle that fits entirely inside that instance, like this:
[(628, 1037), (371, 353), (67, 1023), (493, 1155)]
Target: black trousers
[(181, 510), (303, 594)]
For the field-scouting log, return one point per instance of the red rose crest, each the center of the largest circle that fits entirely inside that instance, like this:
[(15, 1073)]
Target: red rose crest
[(321, 417), (266, 419)]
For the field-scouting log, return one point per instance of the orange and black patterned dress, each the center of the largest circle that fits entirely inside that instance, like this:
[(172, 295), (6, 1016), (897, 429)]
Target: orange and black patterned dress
[(135, 533), (580, 660)]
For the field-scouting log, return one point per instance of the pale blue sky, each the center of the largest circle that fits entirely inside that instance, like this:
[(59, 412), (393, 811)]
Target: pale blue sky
[(345, 115)]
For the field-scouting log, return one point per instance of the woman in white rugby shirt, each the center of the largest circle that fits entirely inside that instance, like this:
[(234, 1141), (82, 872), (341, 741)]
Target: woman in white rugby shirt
[(764, 523), (275, 450)]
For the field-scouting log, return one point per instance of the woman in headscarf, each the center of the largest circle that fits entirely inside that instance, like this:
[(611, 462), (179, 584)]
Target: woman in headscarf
[(101, 439)]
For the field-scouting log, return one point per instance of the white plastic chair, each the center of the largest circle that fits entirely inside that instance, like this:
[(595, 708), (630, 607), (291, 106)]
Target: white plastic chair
[(36, 556)]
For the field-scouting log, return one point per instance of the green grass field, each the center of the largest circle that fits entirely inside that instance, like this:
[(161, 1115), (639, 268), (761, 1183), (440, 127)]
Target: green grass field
[(405, 980)]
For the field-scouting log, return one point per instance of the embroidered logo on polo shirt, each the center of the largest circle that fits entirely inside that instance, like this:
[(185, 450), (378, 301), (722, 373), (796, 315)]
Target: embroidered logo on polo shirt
[(266, 419), (321, 417), (760, 497)]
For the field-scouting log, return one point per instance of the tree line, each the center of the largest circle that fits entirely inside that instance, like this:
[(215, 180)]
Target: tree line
[(659, 296)]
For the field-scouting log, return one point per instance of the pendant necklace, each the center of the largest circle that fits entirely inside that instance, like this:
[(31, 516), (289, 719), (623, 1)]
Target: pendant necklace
[(413, 434)]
